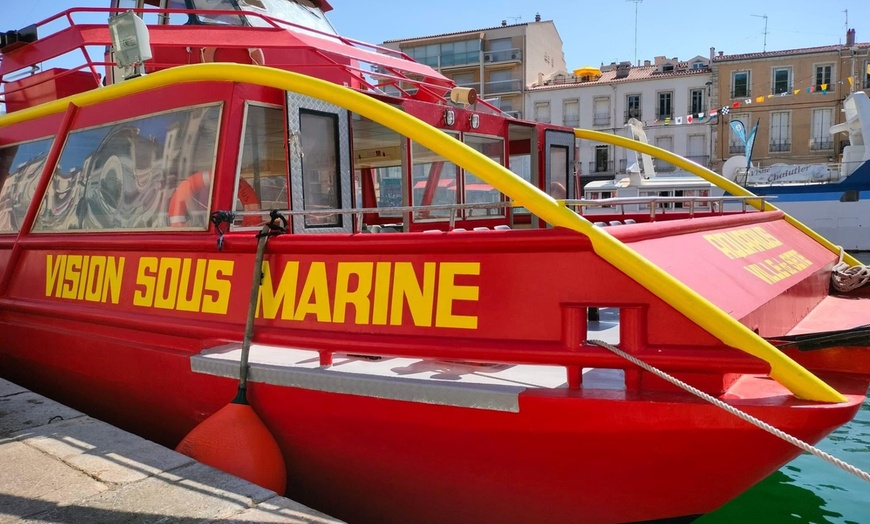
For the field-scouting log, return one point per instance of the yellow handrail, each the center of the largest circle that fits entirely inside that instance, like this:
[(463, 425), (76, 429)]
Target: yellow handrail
[(701, 311)]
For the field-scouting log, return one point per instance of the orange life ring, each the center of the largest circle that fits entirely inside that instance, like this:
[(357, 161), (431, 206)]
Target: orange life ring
[(196, 183)]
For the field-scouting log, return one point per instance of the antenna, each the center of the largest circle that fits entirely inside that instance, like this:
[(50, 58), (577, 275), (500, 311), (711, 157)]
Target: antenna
[(765, 30), (847, 18), (636, 2), (514, 18)]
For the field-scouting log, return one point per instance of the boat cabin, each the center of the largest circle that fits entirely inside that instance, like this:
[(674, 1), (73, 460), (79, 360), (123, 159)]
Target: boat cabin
[(165, 158)]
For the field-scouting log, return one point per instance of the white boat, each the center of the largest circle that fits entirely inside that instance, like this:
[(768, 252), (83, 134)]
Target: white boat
[(832, 199)]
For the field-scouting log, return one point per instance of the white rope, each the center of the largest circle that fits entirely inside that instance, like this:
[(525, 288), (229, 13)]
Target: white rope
[(736, 412), (847, 278)]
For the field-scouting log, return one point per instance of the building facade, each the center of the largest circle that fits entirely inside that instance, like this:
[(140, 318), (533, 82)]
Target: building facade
[(794, 96), (669, 97), (500, 63)]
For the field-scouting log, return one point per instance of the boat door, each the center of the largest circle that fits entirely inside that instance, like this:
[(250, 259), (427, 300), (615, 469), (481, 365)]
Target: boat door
[(558, 159), (320, 175)]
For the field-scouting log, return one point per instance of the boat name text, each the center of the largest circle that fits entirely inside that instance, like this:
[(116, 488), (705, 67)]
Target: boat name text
[(362, 293), (743, 242)]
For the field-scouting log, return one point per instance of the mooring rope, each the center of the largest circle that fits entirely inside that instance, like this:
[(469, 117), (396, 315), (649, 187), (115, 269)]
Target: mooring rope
[(846, 278), (736, 412)]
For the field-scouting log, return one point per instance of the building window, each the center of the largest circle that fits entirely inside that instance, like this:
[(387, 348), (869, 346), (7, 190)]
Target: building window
[(542, 112), (665, 108), (866, 75), (740, 84), (781, 80), (632, 107), (602, 163), (823, 77), (780, 131), (571, 112), (696, 101), (822, 139), (601, 111), (666, 143), (737, 142)]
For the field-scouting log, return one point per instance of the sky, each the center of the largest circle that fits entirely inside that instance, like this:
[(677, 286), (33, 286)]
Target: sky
[(593, 31)]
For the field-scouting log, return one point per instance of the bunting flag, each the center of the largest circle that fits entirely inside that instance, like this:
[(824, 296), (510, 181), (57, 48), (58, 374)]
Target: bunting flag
[(725, 110), (714, 113), (679, 120), (689, 119)]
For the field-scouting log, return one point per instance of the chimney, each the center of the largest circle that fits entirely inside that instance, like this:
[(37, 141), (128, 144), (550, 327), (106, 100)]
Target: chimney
[(712, 53), (540, 79), (721, 53), (646, 63), (537, 17), (503, 23), (850, 38)]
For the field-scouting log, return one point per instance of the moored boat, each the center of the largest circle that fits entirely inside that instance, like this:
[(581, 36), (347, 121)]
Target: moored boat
[(830, 198), (421, 348)]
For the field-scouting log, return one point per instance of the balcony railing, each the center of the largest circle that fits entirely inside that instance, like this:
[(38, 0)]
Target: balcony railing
[(741, 93), (780, 145), (632, 113), (571, 121), (736, 148), (623, 165), (601, 120), (503, 86), (516, 114), (818, 144), (504, 55), (602, 166)]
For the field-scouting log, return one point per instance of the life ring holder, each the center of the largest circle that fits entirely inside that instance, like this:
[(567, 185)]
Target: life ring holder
[(199, 181)]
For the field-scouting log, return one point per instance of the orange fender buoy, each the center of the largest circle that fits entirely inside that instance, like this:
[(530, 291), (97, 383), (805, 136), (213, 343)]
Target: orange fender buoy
[(235, 440), (198, 182)]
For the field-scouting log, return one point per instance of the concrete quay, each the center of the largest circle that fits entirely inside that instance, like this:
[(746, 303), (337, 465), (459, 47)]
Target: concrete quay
[(58, 465)]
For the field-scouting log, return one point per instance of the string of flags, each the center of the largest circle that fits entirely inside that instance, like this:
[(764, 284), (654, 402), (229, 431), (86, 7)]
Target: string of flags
[(724, 110)]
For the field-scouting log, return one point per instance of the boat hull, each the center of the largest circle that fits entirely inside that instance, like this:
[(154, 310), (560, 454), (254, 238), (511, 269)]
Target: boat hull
[(593, 455)]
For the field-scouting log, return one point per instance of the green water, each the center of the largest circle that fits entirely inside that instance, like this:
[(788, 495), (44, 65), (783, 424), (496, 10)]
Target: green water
[(809, 489)]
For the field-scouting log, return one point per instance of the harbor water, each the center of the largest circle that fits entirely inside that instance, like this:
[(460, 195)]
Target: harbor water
[(808, 489)]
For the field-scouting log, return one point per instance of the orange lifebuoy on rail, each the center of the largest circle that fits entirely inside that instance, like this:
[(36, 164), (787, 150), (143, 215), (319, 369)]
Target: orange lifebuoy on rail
[(199, 181)]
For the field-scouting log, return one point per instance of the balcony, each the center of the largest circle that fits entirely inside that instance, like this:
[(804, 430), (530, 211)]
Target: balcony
[(736, 148), (777, 146), (515, 114), (500, 87), (505, 55), (821, 144), (601, 166), (601, 120)]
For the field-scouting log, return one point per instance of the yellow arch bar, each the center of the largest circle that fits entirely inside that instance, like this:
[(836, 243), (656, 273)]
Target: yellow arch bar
[(790, 374), (709, 176)]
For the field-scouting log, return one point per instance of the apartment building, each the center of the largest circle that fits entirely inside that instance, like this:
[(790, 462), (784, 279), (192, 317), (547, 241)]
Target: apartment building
[(500, 62), (669, 96), (794, 96)]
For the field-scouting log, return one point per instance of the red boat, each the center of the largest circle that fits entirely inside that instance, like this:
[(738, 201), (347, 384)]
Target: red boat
[(422, 343)]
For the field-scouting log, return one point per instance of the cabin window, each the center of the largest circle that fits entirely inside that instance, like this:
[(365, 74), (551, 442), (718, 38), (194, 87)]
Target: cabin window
[(262, 179), (148, 173), (320, 166), (475, 190), (20, 167), (378, 158), (434, 180)]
